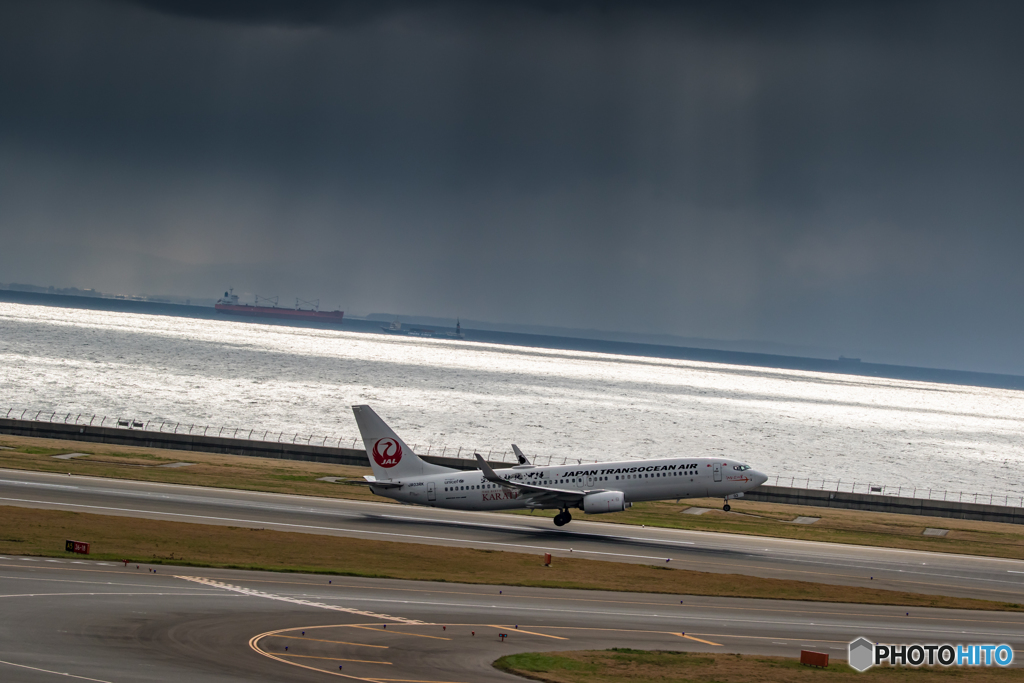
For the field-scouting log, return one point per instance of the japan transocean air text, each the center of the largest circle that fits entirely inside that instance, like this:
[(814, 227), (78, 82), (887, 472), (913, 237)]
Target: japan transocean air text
[(400, 474)]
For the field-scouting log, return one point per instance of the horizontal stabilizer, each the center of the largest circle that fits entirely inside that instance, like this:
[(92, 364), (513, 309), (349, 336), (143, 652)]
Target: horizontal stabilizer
[(370, 479)]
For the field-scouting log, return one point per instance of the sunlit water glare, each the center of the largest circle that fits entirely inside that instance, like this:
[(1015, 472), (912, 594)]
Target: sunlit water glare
[(458, 394)]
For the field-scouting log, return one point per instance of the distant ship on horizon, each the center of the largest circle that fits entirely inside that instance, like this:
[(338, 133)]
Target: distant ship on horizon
[(396, 328), (229, 304)]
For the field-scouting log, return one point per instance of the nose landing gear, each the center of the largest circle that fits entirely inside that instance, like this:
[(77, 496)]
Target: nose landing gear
[(727, 507), (563, 518)]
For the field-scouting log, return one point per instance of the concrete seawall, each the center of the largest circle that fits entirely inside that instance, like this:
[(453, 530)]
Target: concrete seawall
[(875, 503), (356, 457), (207, 444)]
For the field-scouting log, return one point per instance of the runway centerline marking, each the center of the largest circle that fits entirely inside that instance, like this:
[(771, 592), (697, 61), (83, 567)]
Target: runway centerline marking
[(666, 605), (294, 601)]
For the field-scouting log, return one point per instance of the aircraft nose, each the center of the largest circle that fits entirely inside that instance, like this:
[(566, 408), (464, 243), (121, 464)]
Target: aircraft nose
[(760, 478)]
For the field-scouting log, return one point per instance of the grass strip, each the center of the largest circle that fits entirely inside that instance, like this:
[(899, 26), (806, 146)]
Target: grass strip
[(659, 666), (29, 531)]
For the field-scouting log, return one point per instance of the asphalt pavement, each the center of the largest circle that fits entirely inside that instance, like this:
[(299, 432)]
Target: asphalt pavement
[(106, 622)]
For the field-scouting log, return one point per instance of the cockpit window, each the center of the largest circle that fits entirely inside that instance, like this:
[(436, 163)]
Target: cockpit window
[(741, 468)]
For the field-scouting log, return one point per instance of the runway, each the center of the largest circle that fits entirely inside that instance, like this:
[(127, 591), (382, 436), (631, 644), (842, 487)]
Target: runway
[(105, 622), (920, 572)]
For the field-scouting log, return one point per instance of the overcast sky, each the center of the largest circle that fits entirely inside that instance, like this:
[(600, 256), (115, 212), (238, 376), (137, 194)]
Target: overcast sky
[(845, 175)]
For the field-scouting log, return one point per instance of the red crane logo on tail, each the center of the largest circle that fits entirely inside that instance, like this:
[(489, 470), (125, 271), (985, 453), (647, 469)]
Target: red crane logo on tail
[(387, 452)]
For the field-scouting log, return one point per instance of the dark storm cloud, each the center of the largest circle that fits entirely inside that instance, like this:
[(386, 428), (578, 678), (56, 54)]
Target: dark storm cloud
[(842, 175)]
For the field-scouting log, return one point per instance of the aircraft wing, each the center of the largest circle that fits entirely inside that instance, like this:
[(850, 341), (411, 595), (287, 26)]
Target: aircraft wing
[(535, 495)]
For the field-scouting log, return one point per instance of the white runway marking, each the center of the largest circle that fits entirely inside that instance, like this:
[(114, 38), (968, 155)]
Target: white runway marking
[(56, 673), (295, 601), (38, 484)]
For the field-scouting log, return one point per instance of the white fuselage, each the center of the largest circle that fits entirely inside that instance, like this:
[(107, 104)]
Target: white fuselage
[(663, 479)]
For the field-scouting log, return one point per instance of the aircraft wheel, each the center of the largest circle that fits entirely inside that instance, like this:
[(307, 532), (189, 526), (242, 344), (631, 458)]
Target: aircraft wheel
[(727, 507), (560, 519)]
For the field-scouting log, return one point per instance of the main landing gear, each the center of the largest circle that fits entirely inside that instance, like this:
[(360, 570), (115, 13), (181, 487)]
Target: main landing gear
[(563, 518)]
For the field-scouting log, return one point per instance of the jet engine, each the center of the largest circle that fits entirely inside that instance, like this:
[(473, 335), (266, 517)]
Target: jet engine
[(606, 501)]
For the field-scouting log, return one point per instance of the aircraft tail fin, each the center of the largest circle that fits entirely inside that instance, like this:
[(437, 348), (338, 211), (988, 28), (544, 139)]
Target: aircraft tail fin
[(390, 457)]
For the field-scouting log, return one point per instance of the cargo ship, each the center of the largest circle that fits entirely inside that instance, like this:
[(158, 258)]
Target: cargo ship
[(229, 304)]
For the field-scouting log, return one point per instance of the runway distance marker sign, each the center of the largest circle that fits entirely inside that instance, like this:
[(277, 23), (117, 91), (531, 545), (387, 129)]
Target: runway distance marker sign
[(76, 547)]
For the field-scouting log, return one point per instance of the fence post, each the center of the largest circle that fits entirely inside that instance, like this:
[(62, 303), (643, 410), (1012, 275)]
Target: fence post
[(459, 453), (23, 414), (8, 413), (176, 425), (443, 451), (103, 420)]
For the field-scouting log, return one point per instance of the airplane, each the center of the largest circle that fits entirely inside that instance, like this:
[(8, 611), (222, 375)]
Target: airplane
[(598, 488)]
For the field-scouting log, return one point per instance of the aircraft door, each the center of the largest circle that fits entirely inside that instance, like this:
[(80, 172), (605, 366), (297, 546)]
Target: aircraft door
[(590, 481), (717, 469), (430, 491)]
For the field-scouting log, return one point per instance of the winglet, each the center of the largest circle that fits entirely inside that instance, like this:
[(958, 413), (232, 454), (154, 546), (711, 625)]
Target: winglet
[(489, 474), (519, 455)]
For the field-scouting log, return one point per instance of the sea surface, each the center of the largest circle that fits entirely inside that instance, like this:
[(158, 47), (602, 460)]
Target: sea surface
[(454, 397)]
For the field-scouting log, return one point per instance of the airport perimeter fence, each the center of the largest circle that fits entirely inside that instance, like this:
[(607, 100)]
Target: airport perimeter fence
[(897, 491), (503, 456), (266, 436)]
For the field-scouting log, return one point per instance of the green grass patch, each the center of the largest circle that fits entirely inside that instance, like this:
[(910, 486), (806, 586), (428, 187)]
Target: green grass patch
[(659, 666)]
